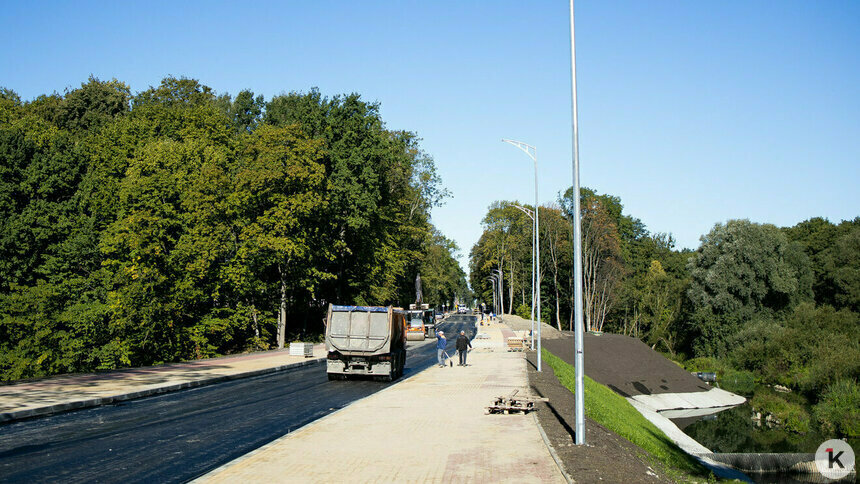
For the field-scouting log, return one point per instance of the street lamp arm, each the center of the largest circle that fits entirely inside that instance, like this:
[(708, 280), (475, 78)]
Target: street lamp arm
[(528, 149), (528, 212)]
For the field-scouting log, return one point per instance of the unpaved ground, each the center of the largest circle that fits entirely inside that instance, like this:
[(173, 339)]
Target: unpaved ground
[(517, 323), (607, 457), (626, 365)]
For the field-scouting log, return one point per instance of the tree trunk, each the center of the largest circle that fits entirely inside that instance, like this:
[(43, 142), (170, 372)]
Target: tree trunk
[(501, 288), (282, 314), (511, 284), (557, 308), (256, 322)]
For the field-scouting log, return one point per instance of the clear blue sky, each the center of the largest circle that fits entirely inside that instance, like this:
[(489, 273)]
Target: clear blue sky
[(692, 112)]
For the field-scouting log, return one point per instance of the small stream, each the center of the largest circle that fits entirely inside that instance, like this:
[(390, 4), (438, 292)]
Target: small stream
[(734, 431)]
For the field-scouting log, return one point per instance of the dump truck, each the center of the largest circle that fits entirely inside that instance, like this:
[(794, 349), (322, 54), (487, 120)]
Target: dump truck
[(365, 340)]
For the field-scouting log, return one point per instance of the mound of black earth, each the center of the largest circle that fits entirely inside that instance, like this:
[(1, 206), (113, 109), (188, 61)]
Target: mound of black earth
[(627, 365)]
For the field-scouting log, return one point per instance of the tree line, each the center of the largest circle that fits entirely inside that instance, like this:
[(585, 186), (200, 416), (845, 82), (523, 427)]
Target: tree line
[(779, 306), (178, 223)]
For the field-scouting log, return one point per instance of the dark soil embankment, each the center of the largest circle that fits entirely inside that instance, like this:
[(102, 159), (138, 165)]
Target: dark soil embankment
[(626, 365), (607, 457)]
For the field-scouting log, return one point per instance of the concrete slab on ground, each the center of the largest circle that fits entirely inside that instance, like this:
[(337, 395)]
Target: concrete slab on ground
[(715, 397), (684, 441), (431, 427)]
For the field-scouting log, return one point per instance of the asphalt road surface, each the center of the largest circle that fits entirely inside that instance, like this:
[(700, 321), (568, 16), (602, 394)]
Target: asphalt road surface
[(178, 436)]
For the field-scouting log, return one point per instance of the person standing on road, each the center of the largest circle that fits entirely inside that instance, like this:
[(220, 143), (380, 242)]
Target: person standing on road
[(463, 346), (440, 347)]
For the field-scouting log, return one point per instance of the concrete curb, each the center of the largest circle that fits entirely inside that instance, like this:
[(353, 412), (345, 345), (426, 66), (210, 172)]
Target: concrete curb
[(95, 402), (552, 452)]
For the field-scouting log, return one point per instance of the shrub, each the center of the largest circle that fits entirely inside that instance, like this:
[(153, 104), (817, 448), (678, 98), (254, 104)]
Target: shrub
[(737, 381), (704, 363), (791, 415), (524, 311), (838, 410)]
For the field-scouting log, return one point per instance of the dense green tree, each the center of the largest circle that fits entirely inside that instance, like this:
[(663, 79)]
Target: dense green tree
[(281, 187), (93, 105), (443, 280), (807, 349), (504, 246), (819, 238), (743, 269), (379, 189), (177, 224)]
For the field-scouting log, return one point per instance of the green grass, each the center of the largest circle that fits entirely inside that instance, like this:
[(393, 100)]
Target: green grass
[(617, 414)]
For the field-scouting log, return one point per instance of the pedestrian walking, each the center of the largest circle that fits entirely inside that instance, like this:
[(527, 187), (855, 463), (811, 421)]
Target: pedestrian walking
[(463, 347), (441, 342)]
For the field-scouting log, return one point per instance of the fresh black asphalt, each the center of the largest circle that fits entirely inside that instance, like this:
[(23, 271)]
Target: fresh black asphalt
[(178, 436)]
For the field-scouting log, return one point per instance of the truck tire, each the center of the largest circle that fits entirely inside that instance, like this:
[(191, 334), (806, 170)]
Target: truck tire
[(390, 376)]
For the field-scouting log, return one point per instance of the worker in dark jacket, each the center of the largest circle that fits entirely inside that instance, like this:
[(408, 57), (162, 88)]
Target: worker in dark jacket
[(463, 347)]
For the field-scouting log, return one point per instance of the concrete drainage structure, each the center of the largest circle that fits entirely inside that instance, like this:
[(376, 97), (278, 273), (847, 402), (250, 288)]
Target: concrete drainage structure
[(659, 408)]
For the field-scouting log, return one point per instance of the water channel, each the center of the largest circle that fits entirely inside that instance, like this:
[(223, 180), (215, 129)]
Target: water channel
[(735, 431)]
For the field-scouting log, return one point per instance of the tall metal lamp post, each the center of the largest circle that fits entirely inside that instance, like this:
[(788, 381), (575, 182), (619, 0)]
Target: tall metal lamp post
[(499, 278), (493, 281), (531, 215), (531, 151), (579, 357)]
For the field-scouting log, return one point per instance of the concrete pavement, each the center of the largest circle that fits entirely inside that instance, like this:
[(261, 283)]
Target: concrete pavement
[(63, 393), (431, 427)]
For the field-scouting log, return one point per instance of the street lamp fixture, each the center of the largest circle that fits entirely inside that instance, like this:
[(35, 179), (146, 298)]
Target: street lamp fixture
[(531, 152)]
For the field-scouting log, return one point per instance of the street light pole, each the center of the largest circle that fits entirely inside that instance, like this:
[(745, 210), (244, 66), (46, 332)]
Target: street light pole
[(500, 276), (531, 151), (534, 245), (494, 280), (579, 357)]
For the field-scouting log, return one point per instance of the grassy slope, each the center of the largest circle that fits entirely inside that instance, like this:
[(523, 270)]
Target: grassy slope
[(617, 414)]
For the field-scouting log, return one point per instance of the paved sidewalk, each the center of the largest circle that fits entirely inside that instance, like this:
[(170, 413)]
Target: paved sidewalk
[(59, 394), (431, 427)]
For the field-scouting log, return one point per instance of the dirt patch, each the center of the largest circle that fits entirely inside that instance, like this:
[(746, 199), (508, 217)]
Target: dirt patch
[(517, 323), (626, 365), (606, 457)]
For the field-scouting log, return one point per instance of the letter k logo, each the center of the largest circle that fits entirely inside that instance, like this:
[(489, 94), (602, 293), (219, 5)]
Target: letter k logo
[(834, 459), (831, 459)]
